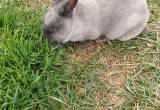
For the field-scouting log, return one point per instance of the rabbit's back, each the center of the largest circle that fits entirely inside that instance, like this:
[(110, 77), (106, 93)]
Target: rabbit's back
[(117, 19)]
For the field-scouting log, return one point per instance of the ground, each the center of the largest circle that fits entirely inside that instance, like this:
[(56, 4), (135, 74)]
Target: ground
[(37, 75)]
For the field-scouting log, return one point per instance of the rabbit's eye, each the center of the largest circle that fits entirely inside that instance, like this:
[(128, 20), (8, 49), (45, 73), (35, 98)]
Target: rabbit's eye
[(55, 28), (52, 27)]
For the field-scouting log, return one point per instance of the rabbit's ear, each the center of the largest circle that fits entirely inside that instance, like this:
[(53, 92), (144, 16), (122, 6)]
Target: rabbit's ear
[(68, 7)]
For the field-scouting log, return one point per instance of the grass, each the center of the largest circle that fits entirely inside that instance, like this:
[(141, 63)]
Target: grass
[(36, 75)]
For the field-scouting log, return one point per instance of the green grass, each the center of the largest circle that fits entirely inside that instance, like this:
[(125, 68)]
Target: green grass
[(36, 75)]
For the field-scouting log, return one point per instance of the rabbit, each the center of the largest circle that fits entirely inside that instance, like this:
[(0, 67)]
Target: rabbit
[(81, 20)]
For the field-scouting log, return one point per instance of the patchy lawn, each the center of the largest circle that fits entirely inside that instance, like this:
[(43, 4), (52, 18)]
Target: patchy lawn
[(36, 75)]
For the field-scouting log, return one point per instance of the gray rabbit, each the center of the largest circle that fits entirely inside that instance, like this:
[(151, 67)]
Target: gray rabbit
[(80, 20)]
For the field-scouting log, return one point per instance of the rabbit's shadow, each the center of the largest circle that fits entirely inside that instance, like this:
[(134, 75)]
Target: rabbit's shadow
[(115, 45)]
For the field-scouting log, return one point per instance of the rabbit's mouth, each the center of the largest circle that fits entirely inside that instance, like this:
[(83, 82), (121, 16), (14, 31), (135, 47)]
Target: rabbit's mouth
[(47, 33)]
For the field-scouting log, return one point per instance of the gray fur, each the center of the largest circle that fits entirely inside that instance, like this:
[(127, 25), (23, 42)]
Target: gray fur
[(115, 19)]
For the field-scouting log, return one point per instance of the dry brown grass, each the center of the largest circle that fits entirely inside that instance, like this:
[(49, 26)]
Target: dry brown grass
[(37, 3), (117, 67)]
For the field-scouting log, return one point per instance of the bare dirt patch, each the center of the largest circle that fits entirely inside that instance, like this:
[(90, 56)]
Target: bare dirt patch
[(118, 68)]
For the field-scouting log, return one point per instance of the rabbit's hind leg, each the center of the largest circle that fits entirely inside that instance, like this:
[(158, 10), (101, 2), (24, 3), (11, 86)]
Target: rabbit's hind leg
[(101, 39), (147, 29)]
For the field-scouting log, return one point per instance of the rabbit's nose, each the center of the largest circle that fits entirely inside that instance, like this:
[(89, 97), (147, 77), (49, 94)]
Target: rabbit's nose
[(47, 33)]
